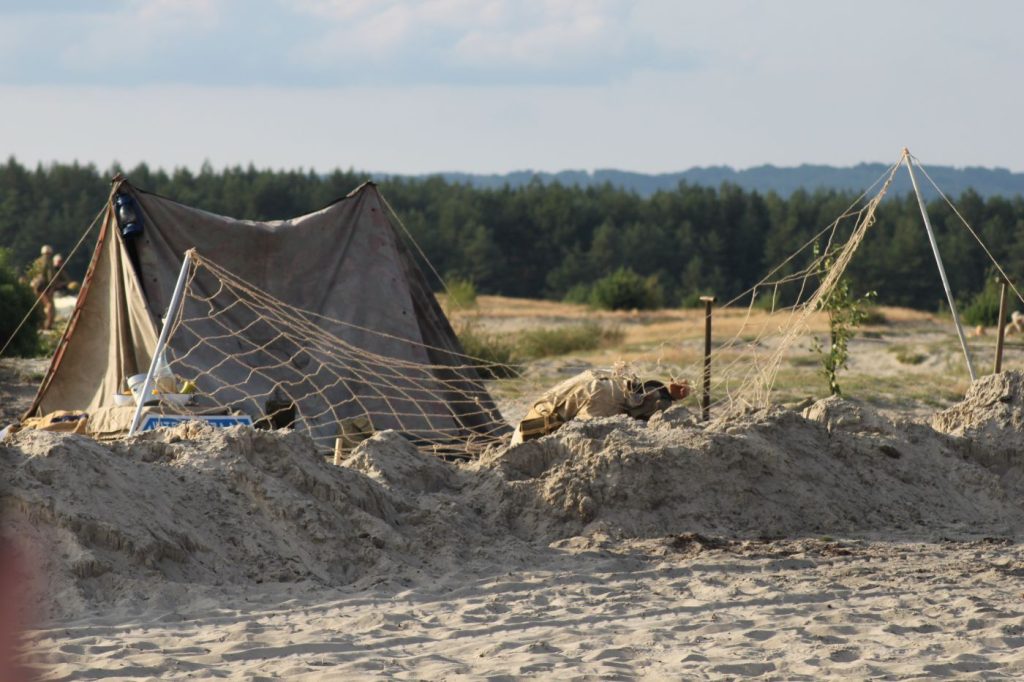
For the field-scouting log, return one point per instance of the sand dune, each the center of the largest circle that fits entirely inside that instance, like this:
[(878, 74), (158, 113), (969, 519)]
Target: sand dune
[(833, 543)]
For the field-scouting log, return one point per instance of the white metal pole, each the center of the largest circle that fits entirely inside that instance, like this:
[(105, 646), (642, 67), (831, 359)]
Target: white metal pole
[(942, 270), (172, 313)]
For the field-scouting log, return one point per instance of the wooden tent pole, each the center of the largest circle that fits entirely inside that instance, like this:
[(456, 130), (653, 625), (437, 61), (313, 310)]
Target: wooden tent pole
[(161, 344)]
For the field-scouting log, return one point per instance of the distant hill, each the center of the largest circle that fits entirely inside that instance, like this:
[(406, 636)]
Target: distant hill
[(784, 181)]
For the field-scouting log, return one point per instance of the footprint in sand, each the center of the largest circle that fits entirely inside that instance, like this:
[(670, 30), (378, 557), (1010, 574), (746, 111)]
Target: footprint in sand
[(745, 669), (543, 648), (959, 667), (923, 629), (845, 655), (613, 654), (760, 635), (976, 624)]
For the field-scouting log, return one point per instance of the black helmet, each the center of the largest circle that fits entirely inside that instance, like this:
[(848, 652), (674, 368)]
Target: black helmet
[(653, 394), (653, 388)]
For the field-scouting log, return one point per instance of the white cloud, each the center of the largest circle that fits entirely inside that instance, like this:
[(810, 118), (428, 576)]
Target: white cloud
[(554, 35), (535, 35), (137, 32), (436, 13), (482, 85), (334, 42), (334, 9), (650, 123), (178, 14)]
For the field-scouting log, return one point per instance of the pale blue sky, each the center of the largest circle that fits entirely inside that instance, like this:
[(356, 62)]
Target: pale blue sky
[(500, 85)]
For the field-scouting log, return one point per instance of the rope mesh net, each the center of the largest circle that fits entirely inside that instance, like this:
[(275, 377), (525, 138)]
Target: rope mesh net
[(748, 379), (246, 350), (747, 363)]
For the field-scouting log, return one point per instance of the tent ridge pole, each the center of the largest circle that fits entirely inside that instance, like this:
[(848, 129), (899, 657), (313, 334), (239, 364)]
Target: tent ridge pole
[(161, 344), (942, 270)]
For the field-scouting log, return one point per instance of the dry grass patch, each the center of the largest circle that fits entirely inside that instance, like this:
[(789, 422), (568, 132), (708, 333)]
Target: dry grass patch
[(501, 306), (908, 356), (916, 364), (554, 341)]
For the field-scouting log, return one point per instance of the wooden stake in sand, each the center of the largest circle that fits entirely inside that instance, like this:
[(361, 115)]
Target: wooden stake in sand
[(705, 404)]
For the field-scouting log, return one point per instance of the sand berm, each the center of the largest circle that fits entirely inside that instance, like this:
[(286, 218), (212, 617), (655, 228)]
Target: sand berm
[(147, 519)]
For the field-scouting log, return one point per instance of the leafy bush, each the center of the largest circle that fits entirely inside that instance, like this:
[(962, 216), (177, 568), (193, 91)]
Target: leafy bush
[(461, 293), (539, 343), (578, 293), (846, 313), (16, 298), (626, 290), (691, 300), (984, 307), (49, 340)]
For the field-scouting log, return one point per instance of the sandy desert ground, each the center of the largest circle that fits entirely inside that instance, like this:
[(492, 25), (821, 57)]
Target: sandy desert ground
[(591, 609), (877, 537)]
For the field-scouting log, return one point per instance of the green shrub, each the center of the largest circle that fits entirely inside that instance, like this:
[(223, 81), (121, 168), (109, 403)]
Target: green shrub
[(49, 340), (461, 293), (626, 290), (691, 300), (579, 293), (492, 354), (539, 343), (846, 313), (16, 299), (984, 307)]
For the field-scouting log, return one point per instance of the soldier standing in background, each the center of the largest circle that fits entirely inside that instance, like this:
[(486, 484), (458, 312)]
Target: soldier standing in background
[(40, 273), (62, 284)]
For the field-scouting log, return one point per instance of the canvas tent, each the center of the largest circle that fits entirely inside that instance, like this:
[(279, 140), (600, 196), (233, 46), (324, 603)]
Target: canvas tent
[(346, 264)]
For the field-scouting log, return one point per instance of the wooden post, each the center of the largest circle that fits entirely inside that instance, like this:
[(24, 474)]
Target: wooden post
[(705, 402), (1003, 285)]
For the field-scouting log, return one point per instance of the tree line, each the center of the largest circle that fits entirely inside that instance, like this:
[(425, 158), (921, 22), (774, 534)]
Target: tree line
[(552, 241)]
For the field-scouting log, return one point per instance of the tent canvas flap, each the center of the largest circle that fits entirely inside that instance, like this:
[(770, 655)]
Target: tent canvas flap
[(345, 266)]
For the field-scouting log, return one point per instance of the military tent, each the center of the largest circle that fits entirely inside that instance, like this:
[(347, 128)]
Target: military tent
[(346, 270)]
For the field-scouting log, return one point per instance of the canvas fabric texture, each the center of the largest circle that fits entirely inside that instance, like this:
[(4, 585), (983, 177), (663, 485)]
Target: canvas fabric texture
[(113, 335), (346, 262), (62, 421)]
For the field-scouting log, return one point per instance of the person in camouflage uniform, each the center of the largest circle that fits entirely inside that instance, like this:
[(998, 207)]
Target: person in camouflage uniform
[(596, 393), (40, 274)]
